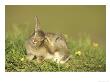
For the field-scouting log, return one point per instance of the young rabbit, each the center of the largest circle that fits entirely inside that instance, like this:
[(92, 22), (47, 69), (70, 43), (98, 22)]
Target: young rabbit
[(45, 45), (34, 45)]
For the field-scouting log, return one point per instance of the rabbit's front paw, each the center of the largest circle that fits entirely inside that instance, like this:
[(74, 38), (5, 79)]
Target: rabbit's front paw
[(40, 59)]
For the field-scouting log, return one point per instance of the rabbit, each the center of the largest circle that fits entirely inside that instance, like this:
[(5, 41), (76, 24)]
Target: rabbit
[(34, 44), (46, 45)]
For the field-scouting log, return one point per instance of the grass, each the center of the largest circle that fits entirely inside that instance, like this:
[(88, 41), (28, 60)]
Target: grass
[(87, 56)]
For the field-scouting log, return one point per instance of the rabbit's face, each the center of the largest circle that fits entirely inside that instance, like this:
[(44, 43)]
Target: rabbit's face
[(38, 37)]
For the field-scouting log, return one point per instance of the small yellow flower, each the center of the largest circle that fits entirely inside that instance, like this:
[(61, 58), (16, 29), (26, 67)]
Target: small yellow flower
[(78, 53), (95, 44), (22, 59)]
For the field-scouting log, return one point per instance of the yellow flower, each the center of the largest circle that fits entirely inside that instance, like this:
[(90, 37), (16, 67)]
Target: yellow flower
[(78, 53), (95, 44), (22, 59)]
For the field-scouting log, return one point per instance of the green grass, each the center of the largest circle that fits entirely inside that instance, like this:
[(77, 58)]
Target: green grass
[(92, 58)]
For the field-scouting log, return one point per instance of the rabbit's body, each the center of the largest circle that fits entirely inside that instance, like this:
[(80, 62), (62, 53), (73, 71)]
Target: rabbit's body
[(45, 45), (56, 43)]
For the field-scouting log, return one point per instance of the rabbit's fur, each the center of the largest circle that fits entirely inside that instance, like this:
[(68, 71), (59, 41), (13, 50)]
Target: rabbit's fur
[(56, 43), (45, 45)]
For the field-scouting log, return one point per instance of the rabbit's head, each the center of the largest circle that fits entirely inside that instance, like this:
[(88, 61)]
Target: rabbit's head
[(38, 35)]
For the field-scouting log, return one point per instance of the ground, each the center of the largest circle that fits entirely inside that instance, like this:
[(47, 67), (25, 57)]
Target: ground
[(87, 56)]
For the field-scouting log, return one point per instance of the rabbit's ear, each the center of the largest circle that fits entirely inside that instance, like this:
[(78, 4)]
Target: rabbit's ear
[(37, 25)]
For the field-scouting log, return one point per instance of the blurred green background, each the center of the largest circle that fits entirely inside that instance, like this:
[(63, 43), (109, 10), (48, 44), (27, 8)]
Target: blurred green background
[(73, 20)]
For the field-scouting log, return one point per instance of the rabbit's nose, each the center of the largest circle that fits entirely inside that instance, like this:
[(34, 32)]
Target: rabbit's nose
[(34, 41)]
